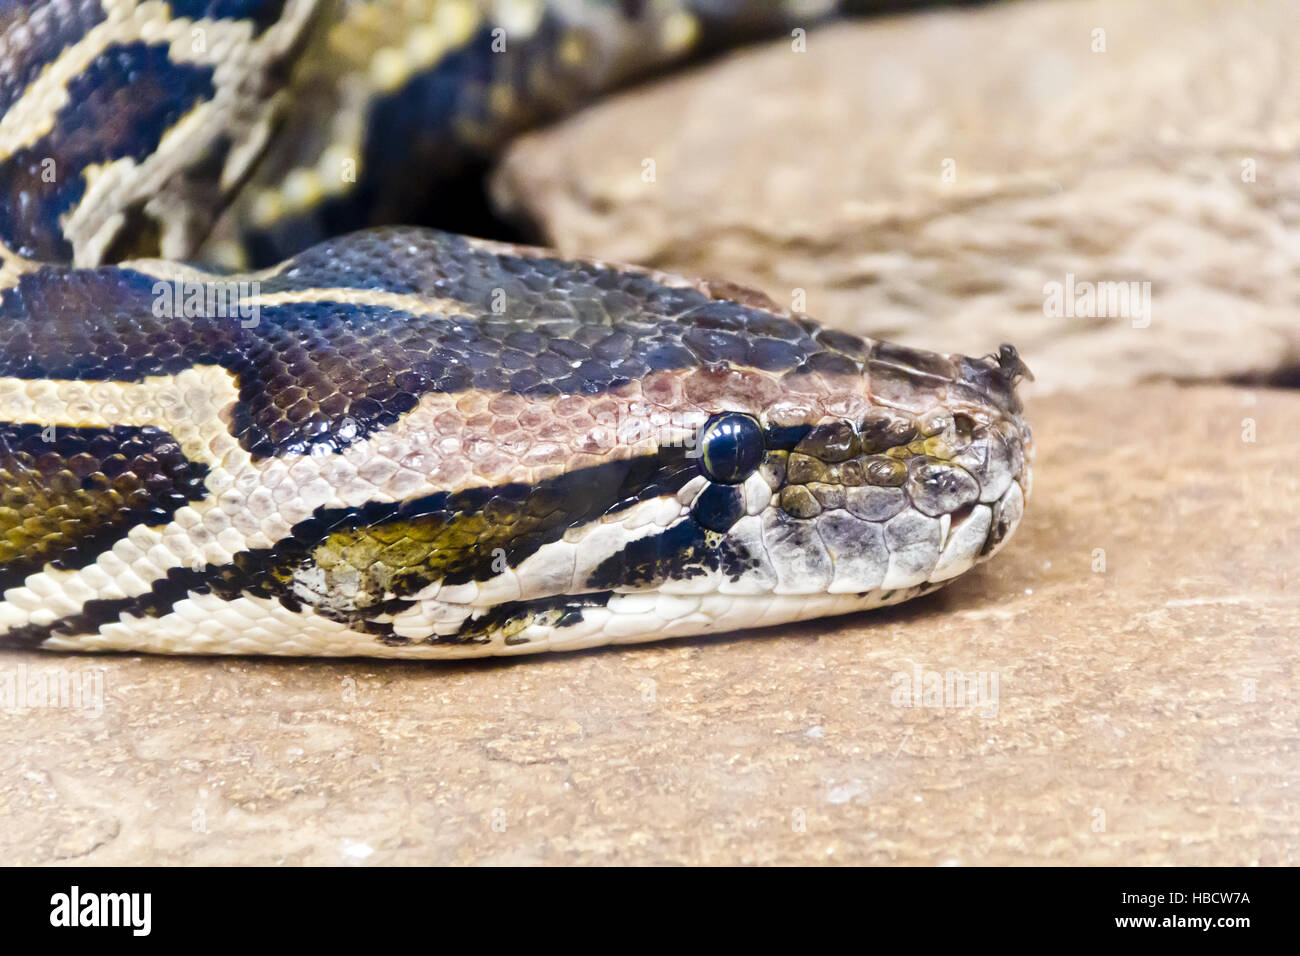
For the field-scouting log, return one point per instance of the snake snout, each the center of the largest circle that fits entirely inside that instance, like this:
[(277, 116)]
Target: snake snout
[(900, 500), (995, 377)]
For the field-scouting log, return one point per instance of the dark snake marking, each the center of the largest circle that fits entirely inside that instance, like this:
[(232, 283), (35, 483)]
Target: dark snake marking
[(261, 13), (424, 114), (428, 114), (118, 107), (453, 537), (46, 33), (444, 120), (564, 610), (680, 552), (67, 495)]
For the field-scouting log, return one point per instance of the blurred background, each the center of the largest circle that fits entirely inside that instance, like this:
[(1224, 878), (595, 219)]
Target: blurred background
[(959, 177)]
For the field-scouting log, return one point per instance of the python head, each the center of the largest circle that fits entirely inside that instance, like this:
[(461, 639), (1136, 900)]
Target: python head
[(413, 444), (674, 458), (878, 477)]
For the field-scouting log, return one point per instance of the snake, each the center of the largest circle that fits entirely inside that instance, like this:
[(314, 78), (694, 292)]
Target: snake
[(246, 407)]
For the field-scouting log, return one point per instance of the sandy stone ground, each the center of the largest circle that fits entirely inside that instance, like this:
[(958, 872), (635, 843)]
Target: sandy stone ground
[(1131, 652), (1119, 686)]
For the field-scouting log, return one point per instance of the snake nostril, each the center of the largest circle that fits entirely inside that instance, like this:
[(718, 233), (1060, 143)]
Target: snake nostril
[(995, 378), (1012, 365), (964, 426)]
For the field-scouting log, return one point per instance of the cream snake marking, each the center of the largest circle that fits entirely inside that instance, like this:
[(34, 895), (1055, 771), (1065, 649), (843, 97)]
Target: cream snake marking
[(409, 443)]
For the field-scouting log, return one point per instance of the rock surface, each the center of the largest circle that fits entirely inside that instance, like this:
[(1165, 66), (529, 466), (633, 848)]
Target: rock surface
[(929, 178), (1139, 634)]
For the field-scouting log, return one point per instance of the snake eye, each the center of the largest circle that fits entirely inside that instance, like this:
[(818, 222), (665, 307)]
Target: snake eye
[(731, 447)]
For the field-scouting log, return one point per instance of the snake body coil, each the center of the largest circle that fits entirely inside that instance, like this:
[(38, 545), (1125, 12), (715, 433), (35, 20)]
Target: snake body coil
[(404, 442)]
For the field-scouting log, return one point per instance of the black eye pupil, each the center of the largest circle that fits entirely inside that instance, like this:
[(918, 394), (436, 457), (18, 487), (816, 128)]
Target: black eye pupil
[(731, 447)]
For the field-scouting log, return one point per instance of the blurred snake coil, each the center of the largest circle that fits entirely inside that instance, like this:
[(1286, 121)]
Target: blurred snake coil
[(243, 410)]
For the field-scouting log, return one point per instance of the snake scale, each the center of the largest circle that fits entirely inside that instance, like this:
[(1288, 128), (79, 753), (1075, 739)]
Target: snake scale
[(244, 410)]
